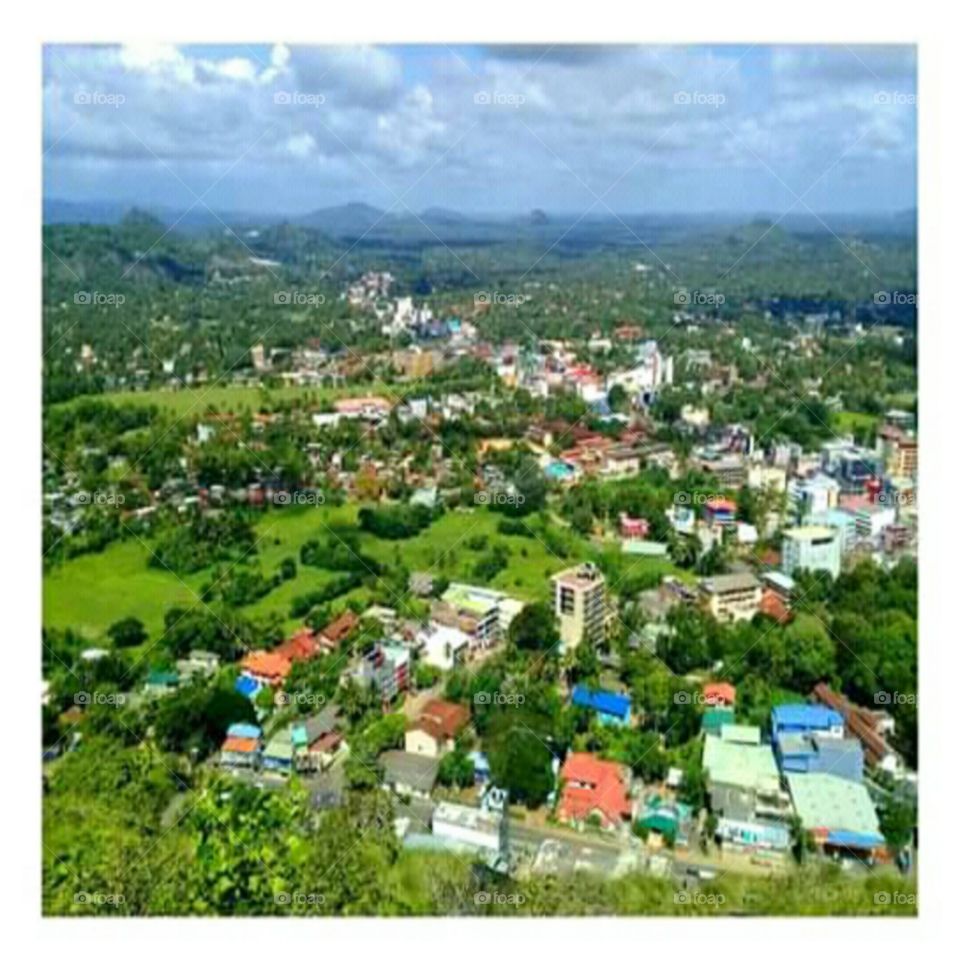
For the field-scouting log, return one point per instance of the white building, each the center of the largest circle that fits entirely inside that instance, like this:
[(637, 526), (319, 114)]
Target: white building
[(811, 548), (814, 494), (442, 646), (468, 827)]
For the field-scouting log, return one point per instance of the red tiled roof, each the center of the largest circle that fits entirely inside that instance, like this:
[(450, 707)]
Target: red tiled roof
[(301, 646), (326, 742), (593, 786), (338, 630), (442, 720), (773, 606), (239, 745), (720, 694)]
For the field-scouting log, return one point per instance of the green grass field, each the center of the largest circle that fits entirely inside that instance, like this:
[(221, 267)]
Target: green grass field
[(196, 400), (847, 421), (91, 592)]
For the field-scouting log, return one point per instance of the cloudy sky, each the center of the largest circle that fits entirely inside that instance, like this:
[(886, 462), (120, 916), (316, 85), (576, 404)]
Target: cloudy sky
[(287, 129)]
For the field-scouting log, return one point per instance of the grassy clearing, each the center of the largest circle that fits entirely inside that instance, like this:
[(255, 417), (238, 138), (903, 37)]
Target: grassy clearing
[(89, 593), (196, 400)]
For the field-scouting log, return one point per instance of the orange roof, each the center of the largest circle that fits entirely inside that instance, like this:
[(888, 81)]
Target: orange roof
[(594, 786), (720, 693), (301, 646), (260, 663), (239, 745)]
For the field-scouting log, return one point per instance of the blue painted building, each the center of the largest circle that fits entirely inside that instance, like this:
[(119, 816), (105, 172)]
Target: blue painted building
[(813, 753), (805, 718), (612, 708)]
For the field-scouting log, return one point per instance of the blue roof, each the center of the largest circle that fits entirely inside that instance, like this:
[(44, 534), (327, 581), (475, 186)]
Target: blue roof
[(246, 731), (247, 686), (849, 838), (480, 761), (603, 700), (812, 716)]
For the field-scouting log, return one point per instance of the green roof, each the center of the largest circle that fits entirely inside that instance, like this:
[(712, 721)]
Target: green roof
[(835, 803), (740, 733), (477, 601), (162, 678), (745, 765), (279, 748), (717, 717), (298, 735)]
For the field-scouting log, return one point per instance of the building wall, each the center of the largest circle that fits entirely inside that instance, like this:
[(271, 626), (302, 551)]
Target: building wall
[(419, 741)]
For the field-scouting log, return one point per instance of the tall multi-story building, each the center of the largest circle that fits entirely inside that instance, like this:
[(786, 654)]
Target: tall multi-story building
[(580, 604), (386, 668), (812, 548)]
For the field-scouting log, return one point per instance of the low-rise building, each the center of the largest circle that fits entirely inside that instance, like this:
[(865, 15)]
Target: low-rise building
[(610, 708), (442, 646), (409, 774), (594, 789), (838, 813), (732, 596), (434, 732), (468, 828)]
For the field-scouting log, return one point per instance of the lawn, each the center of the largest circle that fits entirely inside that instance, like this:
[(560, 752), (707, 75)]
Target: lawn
[(196, 400), (89, 593), (848, 421)]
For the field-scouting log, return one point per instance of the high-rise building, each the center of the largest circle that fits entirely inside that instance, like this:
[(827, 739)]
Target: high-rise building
[(580, 604)]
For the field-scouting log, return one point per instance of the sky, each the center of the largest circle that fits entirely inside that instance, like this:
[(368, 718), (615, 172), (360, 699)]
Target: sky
[(285, 129)]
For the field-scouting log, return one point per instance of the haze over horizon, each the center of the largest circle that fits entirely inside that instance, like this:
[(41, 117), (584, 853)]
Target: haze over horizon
[(588, 131)]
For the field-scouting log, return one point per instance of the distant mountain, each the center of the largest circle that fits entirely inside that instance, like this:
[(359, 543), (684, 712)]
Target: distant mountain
[(100, 212), (350, 219), (110, 213), (442, 215)]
